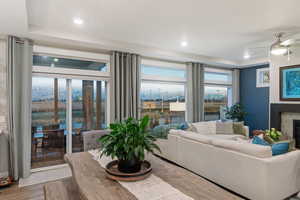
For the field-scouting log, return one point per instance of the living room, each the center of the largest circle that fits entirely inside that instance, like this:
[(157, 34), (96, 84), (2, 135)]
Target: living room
[(149, 100)]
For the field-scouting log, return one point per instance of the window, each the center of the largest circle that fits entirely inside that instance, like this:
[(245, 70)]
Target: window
[(163, 71), (50, 61), (69, 96), (163, 96), (217, 93)]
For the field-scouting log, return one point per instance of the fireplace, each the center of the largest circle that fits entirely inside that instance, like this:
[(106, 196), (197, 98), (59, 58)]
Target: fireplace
[(296, 133), (286, 118)]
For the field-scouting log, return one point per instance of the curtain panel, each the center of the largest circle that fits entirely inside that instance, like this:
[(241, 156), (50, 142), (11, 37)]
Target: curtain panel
[(236, 86), (19, 78), (125, 69), (195, 92)]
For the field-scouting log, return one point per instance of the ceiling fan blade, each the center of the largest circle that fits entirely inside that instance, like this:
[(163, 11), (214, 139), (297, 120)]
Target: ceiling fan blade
[(288, 42)]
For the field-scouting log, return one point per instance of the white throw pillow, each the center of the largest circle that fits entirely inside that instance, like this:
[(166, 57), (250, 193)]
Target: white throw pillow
[(213, 127), (225, 128), (205, 127)]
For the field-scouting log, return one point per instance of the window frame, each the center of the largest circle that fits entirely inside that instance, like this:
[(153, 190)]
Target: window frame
[(165, 79), (227, 85), (71, 54), (161, 64), (219, 71)]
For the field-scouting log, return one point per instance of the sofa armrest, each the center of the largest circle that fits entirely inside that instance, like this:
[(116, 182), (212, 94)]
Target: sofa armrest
[(282, 171)]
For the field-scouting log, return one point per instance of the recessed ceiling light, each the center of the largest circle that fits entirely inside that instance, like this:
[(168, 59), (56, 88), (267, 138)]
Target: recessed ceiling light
[(56, 59), (184, 43), (78, 21), (246, 56)]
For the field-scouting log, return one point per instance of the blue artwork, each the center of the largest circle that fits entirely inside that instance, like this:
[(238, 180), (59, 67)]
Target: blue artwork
[(290, 83)]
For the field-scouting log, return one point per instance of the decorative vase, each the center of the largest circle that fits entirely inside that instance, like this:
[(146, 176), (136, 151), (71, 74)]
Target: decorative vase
[(129, 166)]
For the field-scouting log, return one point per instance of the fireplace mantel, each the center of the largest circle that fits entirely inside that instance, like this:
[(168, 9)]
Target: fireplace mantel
[(275, 113)]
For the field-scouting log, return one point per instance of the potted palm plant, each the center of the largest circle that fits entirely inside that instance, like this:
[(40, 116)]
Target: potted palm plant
[(128, 141)]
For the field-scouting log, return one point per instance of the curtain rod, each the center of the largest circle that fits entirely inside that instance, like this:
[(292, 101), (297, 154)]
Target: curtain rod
[(22, 40)]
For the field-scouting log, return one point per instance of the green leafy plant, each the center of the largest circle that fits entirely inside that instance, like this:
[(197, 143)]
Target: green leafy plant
[(128, 140), (273, 134), (236, 112)]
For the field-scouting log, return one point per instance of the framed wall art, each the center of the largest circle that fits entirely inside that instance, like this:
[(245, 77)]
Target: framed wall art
[(290, 83), (263, 77)]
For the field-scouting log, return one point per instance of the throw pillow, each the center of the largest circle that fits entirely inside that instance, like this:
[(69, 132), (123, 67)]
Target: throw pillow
[(204, 127), (225, 128), (238, 128), (259, 141), (280, 148)]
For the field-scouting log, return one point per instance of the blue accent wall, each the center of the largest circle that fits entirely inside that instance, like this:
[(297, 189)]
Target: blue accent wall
[(255, 100)]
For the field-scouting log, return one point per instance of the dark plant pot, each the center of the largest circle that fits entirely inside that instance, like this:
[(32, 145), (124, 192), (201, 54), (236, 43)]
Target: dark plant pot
[(129, 166)]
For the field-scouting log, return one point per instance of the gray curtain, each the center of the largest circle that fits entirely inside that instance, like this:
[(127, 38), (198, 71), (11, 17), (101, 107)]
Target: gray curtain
[(195, 92), (235, 86), (125, 71), (19, 101)]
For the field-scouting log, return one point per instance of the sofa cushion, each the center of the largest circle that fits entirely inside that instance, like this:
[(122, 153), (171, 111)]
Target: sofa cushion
[(249, 149), (197, 137), (228, 137), (212, 127)]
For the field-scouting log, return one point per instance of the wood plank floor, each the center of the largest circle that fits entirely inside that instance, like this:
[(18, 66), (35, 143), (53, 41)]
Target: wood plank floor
[(34, 192), (13, 192)]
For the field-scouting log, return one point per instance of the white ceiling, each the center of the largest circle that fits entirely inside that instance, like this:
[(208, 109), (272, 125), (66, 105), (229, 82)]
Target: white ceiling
[(214, 29)]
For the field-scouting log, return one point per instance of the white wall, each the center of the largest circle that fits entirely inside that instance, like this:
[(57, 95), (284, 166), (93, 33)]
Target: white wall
[(276, 63)]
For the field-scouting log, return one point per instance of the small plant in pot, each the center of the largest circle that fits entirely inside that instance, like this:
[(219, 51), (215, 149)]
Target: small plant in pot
[(128, 141), (236, 113)]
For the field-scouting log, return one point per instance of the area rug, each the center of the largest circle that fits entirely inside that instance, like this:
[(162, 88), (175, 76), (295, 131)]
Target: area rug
[(152, 188), (46, 176)]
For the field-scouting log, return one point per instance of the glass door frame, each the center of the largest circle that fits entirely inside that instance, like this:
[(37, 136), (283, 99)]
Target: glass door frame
[(75, 74)]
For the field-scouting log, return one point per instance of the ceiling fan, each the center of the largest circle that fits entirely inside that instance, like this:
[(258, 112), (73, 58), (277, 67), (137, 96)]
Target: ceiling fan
[(280, 47)]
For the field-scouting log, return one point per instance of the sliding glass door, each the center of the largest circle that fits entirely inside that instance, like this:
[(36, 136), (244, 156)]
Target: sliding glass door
[(51, 106), (48, 121), (88, 109)]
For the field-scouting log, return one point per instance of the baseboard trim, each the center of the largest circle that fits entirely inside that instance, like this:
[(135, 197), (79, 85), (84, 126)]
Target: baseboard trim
[(48, 168)]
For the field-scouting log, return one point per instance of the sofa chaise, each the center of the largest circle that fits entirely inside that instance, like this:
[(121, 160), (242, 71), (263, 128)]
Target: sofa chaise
[(245, 168)]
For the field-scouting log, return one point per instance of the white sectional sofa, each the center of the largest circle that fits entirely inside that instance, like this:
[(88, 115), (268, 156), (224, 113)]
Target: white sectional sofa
[(247, 169)]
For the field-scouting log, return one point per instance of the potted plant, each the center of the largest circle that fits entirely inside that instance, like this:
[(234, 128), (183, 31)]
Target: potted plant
[(128, 141), (236, 113)]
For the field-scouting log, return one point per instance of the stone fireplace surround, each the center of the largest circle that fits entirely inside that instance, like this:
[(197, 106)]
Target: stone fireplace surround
[(283, 117)]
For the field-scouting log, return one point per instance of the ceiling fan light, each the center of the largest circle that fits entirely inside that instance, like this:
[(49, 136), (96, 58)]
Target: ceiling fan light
[(279, 51)]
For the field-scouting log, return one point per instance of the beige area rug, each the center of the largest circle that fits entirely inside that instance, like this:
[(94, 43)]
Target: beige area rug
[(152, 188), (46, 176)]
